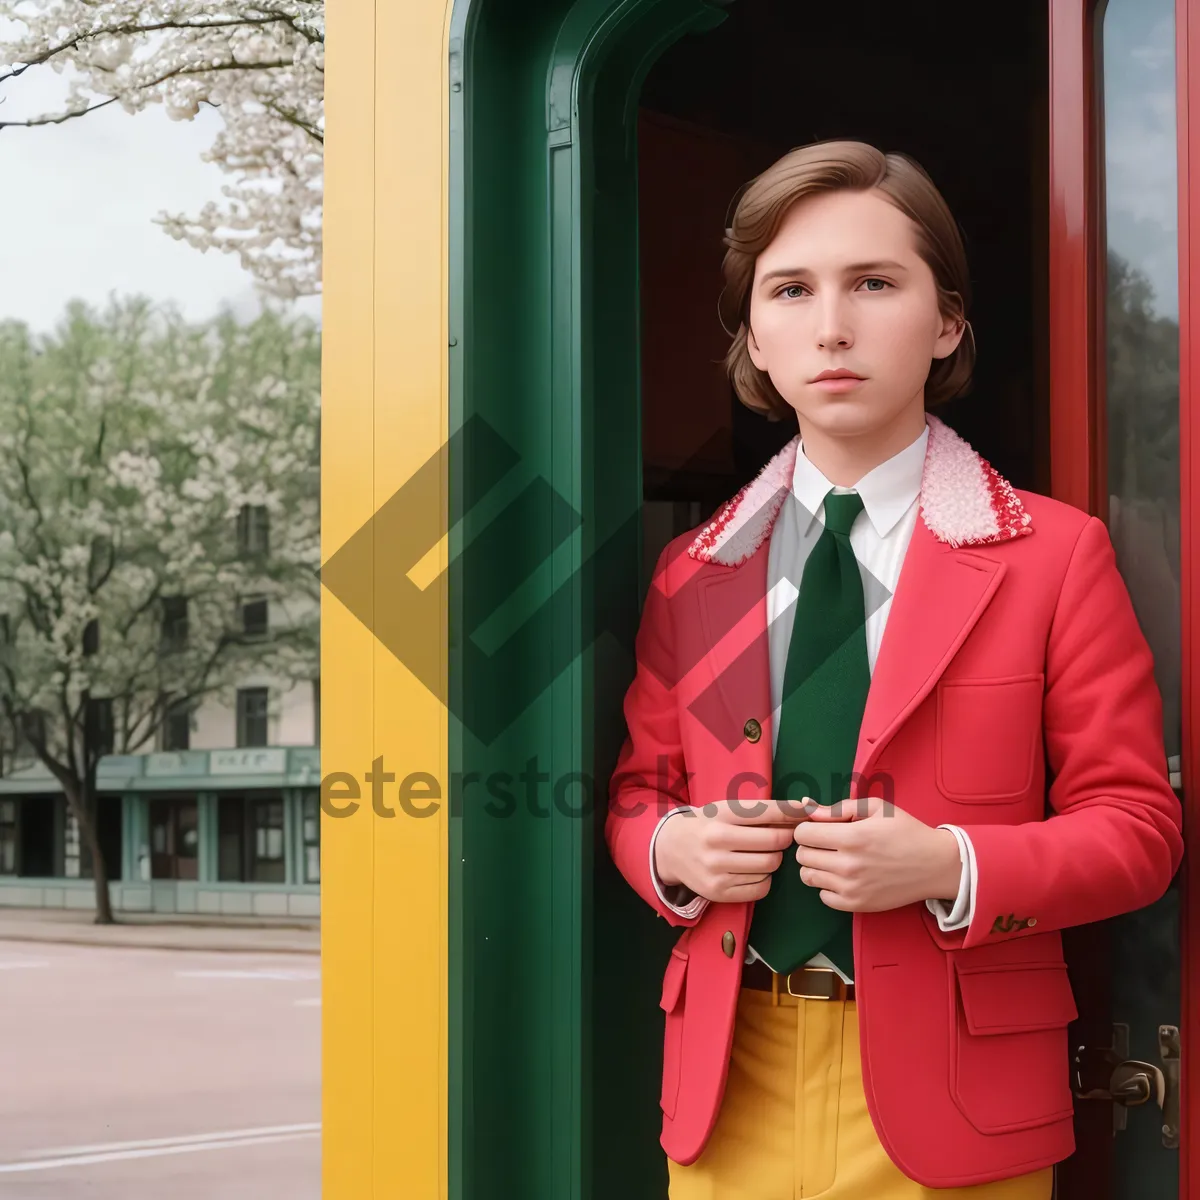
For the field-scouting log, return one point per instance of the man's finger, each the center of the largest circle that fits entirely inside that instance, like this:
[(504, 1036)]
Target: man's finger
[(822, 835), (820, 860), (831, 899), (758, 837), (819, 879), (850, 810), (771, 811), (735, 863)]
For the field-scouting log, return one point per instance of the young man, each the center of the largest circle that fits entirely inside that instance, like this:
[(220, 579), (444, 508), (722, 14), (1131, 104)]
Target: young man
[(853, 687)]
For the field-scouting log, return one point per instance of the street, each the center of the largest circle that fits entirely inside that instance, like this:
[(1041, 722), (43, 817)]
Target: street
[(139, 1074)]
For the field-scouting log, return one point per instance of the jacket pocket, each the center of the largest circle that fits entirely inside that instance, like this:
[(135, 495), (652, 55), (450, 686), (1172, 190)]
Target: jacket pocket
[(988, 736), (672, 1004), (1009, 1067)]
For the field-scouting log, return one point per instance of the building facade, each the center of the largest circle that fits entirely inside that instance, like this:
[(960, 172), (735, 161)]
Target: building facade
[(219, 817), (229, 832)]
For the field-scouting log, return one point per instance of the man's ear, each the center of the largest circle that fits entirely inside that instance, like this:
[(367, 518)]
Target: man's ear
[(756, 355), (952, 330)]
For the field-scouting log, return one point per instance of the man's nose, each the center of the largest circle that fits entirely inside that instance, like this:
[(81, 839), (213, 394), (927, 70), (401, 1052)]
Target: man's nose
[(833, 326)]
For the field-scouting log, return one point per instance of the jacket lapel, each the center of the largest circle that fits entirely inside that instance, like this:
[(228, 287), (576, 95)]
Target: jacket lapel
[(943, 590), (941, 594), (733, 618)]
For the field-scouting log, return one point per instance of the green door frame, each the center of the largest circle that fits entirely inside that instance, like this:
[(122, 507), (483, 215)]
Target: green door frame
[(554, 964)]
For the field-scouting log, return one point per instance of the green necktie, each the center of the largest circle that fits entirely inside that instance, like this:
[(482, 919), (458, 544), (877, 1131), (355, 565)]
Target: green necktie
[(825, 688)]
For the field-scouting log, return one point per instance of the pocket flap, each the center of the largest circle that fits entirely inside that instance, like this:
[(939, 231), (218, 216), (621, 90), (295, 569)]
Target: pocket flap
[(1016, 997), (673, 980)]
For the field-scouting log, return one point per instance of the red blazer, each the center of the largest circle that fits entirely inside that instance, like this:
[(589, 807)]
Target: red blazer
[(1011, 656)]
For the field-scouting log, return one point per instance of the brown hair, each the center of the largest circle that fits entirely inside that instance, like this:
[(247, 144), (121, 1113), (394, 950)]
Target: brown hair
[(835, 166)]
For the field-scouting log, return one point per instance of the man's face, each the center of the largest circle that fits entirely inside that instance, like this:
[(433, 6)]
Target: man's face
[(842, 287)]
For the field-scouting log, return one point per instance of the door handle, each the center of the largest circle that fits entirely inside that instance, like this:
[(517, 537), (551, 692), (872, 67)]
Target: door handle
[(1109, 1074), (1134, 1082)]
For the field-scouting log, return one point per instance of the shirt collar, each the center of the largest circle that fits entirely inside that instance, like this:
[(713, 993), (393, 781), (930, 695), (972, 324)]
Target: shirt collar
[(887, 490)]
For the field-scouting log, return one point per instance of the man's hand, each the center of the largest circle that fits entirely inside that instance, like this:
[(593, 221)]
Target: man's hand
[(868, 856), (727, 851)]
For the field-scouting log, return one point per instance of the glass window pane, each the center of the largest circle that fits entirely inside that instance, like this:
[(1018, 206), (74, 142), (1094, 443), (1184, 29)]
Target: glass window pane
[(230, 839), (312, 864), (1141, 303)]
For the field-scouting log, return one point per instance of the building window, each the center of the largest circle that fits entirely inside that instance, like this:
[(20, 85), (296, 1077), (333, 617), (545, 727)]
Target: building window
[(312, 837), (98, 724), (71, 845), (317, 711), (253, 530), (174, 622), (177, 725), (254, 616), (174, 839), (231, 820), (252, 717), (250, 840), (267, 863), (91, 637), (8, 837)]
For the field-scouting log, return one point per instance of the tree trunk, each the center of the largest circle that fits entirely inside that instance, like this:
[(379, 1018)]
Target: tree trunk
[(84, 815), (104, 912)]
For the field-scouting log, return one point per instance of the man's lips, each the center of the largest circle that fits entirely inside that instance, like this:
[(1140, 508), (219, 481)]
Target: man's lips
[(837, 382), (838, 373)]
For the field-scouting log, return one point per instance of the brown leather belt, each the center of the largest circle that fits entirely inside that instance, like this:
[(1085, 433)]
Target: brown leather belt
[(804, 983)]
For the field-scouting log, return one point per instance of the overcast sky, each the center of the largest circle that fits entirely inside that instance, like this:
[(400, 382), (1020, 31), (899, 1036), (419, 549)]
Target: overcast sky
[(77, 203), (77, 200), (1140, 149)]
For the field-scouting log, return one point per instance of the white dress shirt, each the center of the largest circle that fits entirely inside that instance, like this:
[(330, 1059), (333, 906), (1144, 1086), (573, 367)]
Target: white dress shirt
[(879, 537)]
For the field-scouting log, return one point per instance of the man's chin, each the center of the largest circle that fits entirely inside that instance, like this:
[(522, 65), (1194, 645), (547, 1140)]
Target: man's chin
[(842, 416)]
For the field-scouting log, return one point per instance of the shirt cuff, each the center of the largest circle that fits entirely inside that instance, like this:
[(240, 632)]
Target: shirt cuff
[(959, 915), (682, 901)]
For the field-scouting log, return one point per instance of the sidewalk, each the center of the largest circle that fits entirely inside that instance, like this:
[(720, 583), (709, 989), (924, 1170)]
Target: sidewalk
[(158, 931)]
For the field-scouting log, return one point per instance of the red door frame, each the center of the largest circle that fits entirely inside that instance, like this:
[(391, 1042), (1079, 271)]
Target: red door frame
[(1077, 410), (1187, 35)]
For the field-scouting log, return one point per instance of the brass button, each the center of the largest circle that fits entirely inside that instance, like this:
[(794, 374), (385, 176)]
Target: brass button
[(752, 729), (728, 943), (1031, 922)]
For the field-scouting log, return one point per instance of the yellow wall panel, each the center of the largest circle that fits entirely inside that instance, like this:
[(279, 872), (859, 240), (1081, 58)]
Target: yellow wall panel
[(384, 416)]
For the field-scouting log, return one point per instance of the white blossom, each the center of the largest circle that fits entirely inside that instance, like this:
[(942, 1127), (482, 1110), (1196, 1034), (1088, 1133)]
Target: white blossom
[(260, 66)]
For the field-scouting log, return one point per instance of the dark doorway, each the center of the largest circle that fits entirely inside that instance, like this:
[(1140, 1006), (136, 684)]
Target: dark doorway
[(108, 830), (251, 840), (174, 839), (966, 95), (36, 824), (961, 92)]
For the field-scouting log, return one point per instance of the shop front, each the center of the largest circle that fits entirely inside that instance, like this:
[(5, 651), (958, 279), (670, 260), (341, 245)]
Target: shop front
[(196, 832)]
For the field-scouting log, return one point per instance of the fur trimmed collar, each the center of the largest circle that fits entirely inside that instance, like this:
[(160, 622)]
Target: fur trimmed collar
[(964, 501)]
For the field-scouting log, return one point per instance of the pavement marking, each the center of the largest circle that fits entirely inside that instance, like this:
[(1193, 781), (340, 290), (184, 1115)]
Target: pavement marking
[(264, 973), (308, 1002), (16, 964), (78, 1156)]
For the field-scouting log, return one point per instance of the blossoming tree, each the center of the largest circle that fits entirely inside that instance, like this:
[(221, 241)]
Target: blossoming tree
[(145, 459), (259, 65)]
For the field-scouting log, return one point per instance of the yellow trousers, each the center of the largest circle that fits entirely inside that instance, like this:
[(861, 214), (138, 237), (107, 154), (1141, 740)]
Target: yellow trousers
[(794, 1120)]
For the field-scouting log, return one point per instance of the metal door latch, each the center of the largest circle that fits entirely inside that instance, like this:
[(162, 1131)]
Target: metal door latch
[(1110, 1074)]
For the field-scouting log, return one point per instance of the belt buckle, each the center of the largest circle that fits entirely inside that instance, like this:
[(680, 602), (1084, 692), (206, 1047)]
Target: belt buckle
[(831, 994)]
